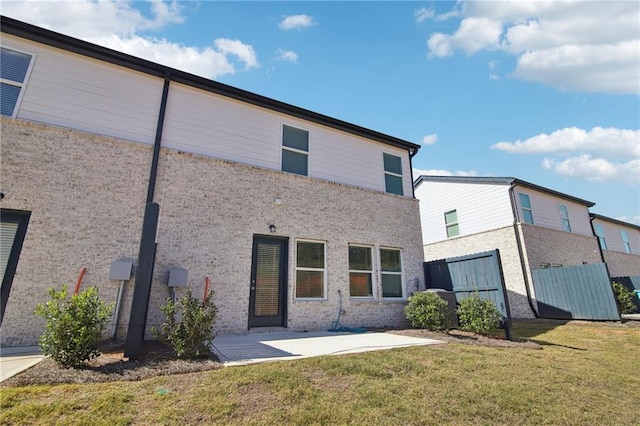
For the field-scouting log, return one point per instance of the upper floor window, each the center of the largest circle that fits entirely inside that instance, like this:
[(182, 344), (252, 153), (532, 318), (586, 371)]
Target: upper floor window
[(527, 214), (295, 150), (310, 270), (564, 217), (393, 174), (600, 234), (625, 241), (451, 223), (391, 271), (360, 271), (14, 69)]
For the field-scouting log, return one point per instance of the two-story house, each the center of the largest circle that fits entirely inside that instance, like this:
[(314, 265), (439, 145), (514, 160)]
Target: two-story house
[(288, 212), (619, 244), (532, 226)]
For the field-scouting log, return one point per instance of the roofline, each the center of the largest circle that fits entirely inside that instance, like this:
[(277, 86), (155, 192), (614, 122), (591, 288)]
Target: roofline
[(61, 41), (610, 219), (501, 181)]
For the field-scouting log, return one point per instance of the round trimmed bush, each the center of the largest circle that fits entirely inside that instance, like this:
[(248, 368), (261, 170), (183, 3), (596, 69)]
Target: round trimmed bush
[(428, 310), (478, 315)]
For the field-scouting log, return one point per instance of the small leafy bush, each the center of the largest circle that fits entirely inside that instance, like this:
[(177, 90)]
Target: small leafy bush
[(428, 310), (188, 335), (478, 315), (74, 326), (623, 298)]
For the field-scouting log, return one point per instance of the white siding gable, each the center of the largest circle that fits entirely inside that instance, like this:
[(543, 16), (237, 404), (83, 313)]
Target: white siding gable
[(74, 91), (546, 212), (480, 207)]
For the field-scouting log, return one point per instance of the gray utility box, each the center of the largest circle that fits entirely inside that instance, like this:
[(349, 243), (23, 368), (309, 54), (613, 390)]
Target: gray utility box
[(450, 298), (177, 277), (120, 270)]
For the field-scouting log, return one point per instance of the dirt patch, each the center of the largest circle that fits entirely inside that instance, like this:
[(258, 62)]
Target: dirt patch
[(156, 359), (459, 336)]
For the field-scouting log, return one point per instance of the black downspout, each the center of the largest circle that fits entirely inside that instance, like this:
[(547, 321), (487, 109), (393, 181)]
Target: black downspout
[(147, 251), (593, 231), (411, 155), (523, 265)]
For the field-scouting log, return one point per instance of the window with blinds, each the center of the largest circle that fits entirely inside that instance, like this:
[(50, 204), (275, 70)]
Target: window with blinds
[(311, 269), (14, 70)]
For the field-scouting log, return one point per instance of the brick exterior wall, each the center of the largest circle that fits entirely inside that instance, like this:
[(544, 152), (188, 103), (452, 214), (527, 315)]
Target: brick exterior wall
[(87, 192), (622, 264), (502, 239)]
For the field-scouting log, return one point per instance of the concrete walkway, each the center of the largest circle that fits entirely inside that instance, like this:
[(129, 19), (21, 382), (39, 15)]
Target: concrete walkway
[(255, 348), (13, 360)]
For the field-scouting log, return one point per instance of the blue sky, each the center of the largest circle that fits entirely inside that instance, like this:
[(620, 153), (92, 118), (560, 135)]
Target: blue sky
[(547, 92)]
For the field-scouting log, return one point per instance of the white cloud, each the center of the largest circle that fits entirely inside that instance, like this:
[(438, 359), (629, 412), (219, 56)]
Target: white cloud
[(629, 219), (423, 14), (571, 45), (286, 56), (296, 22), (612, 142), (430, 139), (595, 169), (440, 172), (118, 25)]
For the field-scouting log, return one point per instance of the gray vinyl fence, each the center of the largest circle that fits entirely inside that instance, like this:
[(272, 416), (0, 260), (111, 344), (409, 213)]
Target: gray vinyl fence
[(575, 292), (479, 273)]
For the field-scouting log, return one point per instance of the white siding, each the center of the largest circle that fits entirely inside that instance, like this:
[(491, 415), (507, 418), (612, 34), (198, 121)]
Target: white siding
[(480, 207), (74, 91), (213, 125), (546, 213), (613, 237)]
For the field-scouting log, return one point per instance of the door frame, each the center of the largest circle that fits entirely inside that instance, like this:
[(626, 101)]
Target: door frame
[(279, 320), (22, 219)]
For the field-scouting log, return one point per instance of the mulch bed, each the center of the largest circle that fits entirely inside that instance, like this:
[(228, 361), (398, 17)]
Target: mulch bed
[(156, 359), (459, 336)]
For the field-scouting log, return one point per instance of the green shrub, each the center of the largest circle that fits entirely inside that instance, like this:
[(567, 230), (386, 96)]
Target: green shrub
[(428, 310), (623, 298), (74, 326), (188, 336), (478, 315)]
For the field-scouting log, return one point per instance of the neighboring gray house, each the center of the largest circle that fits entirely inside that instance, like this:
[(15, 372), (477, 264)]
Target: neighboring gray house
[(284, 209), (532, 226)]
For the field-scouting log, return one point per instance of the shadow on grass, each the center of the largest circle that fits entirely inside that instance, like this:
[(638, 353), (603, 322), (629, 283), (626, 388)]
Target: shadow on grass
[(528, 329)]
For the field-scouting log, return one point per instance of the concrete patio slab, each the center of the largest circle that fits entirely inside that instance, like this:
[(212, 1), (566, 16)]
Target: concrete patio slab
[(13, 360), (256, 348)]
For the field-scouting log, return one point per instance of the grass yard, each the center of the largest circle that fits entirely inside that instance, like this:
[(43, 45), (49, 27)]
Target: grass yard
[(586, 373)]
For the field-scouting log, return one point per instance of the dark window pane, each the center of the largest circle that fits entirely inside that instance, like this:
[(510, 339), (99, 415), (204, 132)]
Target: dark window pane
[(13, 65), (390, 260), (360, 284), (392, 164), (309, 284), (524, 200), (391, 285), (295, 138), (528, 216), (451, 217), (310, 255), (8, 96), (453, 231), (360, 258), (294, 162), (393, 184)]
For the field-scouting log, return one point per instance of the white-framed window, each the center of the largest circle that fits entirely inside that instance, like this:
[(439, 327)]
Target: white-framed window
[(392, 174), (625, 241), (527, 213), (600, 234), (360, 271), (451, 223), (391, 273), (311, 269), (15, 68), (564, 217), (295, 150)]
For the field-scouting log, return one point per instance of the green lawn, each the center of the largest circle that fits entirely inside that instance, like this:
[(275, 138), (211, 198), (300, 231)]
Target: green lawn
[(586, 373)]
